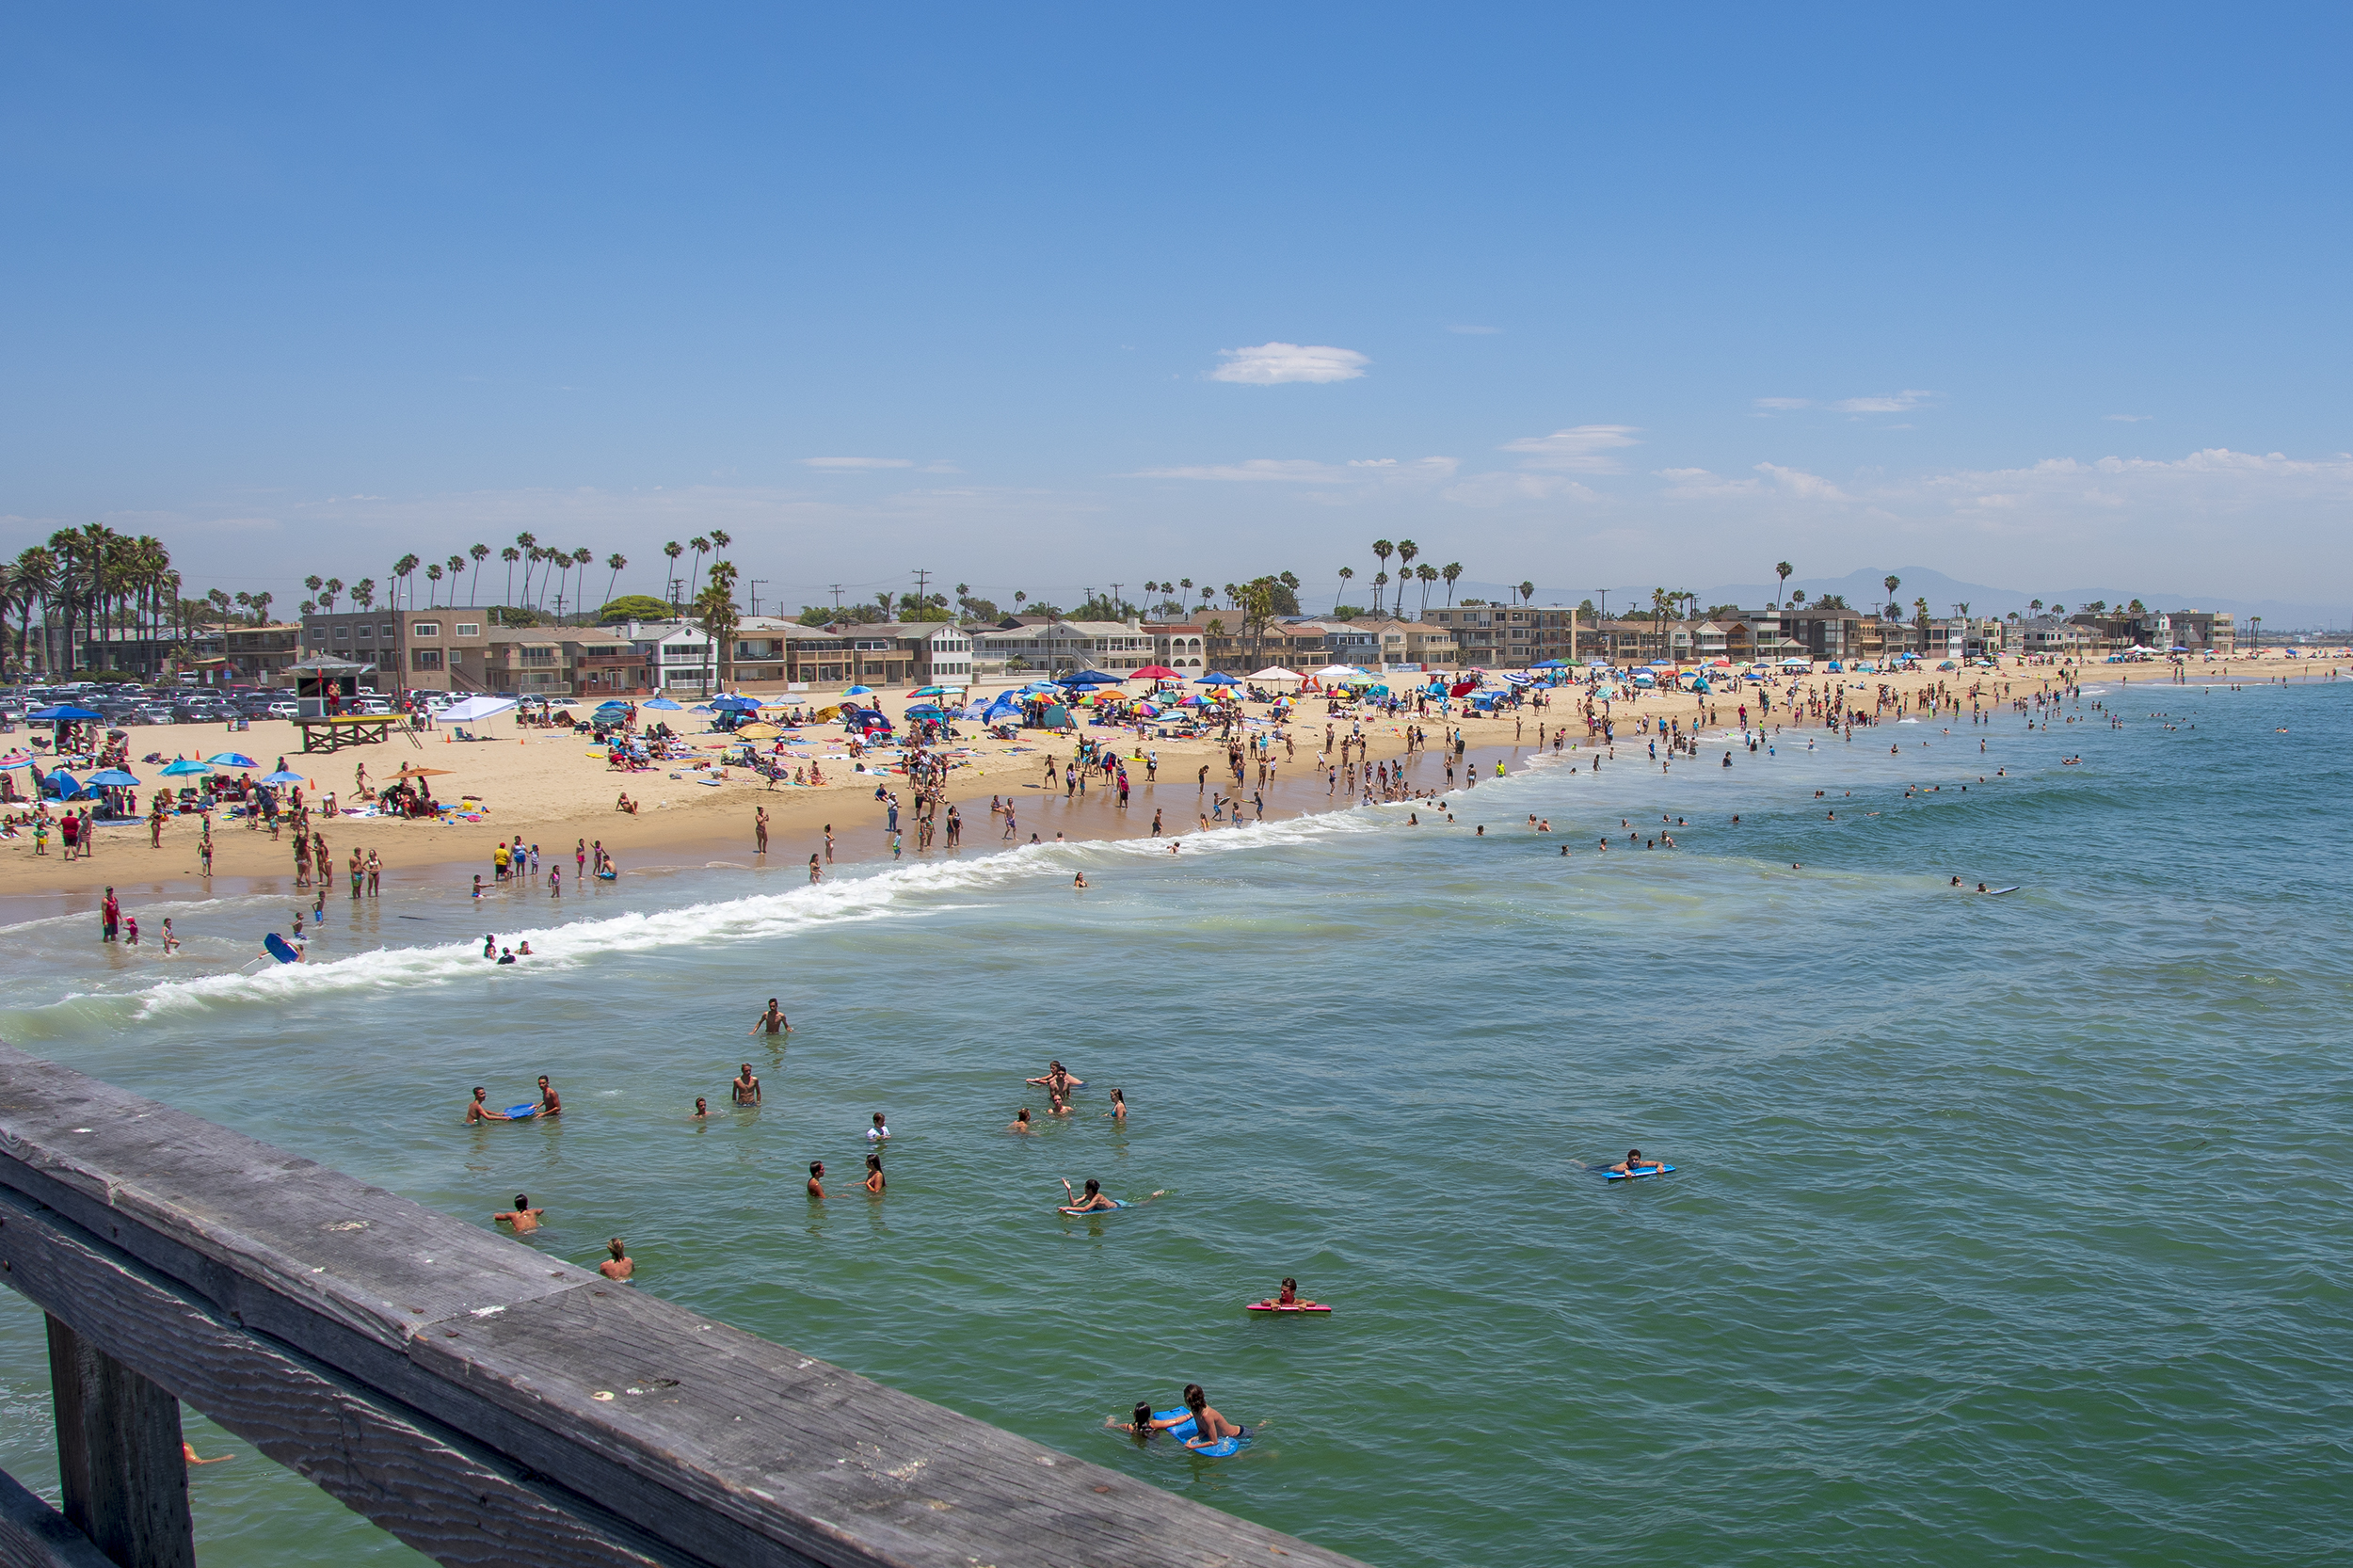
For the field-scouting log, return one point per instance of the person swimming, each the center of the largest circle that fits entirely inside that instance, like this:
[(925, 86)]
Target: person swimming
[(1095, 1202), (873, 1182), (1020, 1122), (1633, 1162), (1210, 1428), (816, 1178), (1139, 1425)]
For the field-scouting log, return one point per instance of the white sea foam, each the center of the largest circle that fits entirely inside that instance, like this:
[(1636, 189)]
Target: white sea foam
[(891, 892)]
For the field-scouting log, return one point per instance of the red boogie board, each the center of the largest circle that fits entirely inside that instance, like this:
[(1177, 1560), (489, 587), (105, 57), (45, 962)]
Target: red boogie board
[(1269, 1307)]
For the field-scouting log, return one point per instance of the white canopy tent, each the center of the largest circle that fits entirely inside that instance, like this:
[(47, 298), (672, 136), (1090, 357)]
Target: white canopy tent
[(473, 710), (1338, 672), (1276, 672)]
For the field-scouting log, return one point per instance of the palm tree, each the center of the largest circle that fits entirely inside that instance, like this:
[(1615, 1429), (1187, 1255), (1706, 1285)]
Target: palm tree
[(1797, 598), (527, 543), (314, 582), (1425, 575), (719, 539), (2255, 625), (36, 578), (616, 561), (1380, 590), (674, 550), (1345, 572), (511, 555), (363, 593), (1527, 593), (1382, 547), (700, 545), (333, 586), (1451, 571), (433, 578), (457, 569), (1781, 570), (2035, 606), (1406, 551)]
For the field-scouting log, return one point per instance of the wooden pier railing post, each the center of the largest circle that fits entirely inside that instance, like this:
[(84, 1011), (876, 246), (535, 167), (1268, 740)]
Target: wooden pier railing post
[(119, 1462)]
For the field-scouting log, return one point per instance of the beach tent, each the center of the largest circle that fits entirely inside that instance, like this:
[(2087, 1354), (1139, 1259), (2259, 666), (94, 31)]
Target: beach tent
[(1276, 672), (1338, 672), (60, 714), (1550, 664), (63, 783), (475, 709)]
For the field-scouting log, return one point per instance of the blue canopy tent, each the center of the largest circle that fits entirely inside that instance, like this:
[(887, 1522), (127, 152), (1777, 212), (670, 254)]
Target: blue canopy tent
[(62, 782), (1092, 678), (736, 704), (61, 714), (1003, 710), (1215, 678)]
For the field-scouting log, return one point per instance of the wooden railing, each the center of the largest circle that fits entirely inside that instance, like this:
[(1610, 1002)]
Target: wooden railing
[(482, 1401)]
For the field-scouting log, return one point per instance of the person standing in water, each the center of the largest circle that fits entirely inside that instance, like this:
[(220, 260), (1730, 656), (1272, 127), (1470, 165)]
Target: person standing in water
[(772, 1020)]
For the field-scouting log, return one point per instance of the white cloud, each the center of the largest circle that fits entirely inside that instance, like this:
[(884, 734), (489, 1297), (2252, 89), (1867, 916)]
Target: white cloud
[(1698, 483), (858, 462), (1504, 486), (1894, 403), (1269, 363), (1358, 471), (1784, 403), (1811, 487), (1581, 449), (1476, 332)]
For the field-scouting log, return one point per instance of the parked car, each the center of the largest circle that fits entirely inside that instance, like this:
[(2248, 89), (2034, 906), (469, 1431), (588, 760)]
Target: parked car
[(283, 709), (373, 705)]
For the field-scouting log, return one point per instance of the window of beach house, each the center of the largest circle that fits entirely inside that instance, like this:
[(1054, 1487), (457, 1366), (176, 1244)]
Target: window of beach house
[(469, 629), (424, 658), (425, 629)]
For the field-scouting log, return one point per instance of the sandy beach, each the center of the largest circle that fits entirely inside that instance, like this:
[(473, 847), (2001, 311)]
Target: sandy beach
[(553, 791)]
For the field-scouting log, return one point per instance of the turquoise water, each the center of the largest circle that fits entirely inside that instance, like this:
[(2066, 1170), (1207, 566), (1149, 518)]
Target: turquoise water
[(2004, 1229)]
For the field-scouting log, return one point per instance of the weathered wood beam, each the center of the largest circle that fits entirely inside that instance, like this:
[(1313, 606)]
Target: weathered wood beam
[(717, 1445), (118, 1457), (449, 1498), (34, 1535)]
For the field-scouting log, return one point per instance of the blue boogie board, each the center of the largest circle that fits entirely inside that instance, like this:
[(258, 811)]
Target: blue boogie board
[(281, 949), (522, 1113), (1188, 1428), (1640, 1171)]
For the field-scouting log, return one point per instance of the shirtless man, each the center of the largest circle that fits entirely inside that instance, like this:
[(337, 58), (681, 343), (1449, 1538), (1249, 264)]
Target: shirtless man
[(1633, 1162), (1058, 1078), (816, 1178), (620, 1265), (476, 1110), (747, 1087), (773, 1020), (1211, 1427), (1020, 1122), (550, 1103), (1094, 1201), (524, 1217)]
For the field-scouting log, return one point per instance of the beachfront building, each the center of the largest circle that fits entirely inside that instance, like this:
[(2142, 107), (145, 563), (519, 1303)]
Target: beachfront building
[(2198, 630), (2043, 636), (1373, 645), (1509, 636), (1302, 644), (1178, 645), (1054, 647), (257, 655), (431, 650)]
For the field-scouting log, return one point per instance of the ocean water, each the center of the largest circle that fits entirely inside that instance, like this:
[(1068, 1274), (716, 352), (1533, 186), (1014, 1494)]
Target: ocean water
[(2003, 1230)]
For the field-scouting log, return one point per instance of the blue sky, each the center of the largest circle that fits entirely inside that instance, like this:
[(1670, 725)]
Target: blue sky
[(1594, 298)]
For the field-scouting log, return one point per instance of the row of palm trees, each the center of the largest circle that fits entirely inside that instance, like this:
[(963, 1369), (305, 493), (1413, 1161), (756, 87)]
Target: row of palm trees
[(1426, 575), (93, 585), (554, 566)]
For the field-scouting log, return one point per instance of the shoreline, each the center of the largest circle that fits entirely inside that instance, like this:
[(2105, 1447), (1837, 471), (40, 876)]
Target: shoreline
[(712, 827)]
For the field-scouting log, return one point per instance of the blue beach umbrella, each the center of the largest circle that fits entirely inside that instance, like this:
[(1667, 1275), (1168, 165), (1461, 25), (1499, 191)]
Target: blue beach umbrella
[(1216, 678), (233, 759), (112, 778), (285, 778), (740, 704), (187, 765), (664, 703)]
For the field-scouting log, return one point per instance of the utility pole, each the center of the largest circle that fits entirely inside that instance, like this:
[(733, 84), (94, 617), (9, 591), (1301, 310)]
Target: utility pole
[(755, 586), (923, 581), (1115, 615), (837, 602)]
